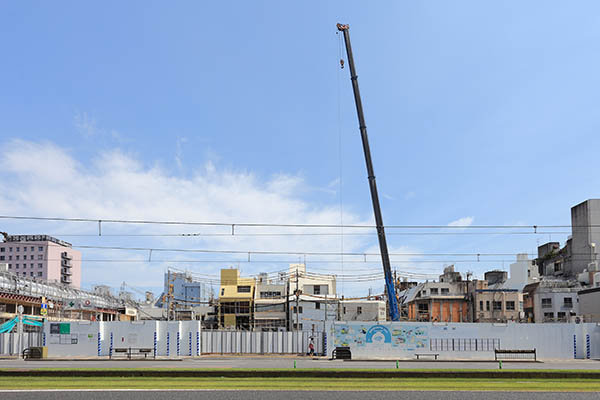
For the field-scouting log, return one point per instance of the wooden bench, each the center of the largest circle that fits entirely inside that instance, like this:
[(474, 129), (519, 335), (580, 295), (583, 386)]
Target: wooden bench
[(514, 354), (435, 355), (342, 353)]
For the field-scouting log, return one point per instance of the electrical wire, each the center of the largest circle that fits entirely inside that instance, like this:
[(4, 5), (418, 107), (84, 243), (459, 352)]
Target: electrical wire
[(271, 225)]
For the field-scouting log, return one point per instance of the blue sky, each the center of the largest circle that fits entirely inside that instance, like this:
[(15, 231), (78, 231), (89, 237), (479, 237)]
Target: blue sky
[(228, 111)]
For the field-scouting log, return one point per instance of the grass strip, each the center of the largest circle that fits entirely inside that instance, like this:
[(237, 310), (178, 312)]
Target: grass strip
[(326, 384)]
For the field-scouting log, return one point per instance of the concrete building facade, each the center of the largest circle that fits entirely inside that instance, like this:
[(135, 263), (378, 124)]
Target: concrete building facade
[(443, 301), (551, 301), (589, 304), (42, 257)]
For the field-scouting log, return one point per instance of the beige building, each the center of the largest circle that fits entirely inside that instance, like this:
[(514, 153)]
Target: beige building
[(362, 310), (236, 295), (270, 300), (497, 305)]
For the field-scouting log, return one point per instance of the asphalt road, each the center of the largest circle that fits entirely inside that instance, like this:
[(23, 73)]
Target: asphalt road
[(287, 395), (288, 362)]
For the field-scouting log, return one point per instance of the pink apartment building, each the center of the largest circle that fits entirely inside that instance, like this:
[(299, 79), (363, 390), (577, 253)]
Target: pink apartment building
[(42, 257)]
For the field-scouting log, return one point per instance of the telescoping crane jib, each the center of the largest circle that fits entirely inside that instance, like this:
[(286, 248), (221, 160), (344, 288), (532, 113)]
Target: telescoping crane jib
[(385, 257)]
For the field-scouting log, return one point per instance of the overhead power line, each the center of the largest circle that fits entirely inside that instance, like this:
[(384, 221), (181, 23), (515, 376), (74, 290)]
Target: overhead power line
[(272, 225)]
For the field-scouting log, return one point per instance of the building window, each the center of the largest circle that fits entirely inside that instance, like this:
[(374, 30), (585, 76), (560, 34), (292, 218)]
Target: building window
[(445, 291), (16, 266), (9, 266), (39, 273), (547, 303), (31, 257), (41, 248), (344, 310), (31, 273), (317, 289), (1, 258), (568, 302), (16, 257), (497, 305), (358, 310), (561, 316), (520, 306), (24, 273), (40, 265), (18, 248), (480, 305), (487, 305), (24, 248), (40, 256), (317, 306), (548, 316), (222, 291), (32, 248), (2, 249), (434, 291), (10, 249), (243, 289), (510, 306), (10, 257), (423, 307), (295, 310)]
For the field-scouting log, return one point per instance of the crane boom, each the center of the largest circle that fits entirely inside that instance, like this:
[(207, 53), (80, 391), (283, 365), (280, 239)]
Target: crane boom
[(385, 257)]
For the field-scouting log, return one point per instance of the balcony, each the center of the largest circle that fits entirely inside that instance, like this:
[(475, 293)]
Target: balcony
[(66, 256), (66, 263), (65, 279), (66, 271)]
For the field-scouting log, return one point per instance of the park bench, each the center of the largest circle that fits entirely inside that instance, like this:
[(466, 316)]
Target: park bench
[(32, 352), (132, 351), (514, 354), (435, 355), (342, 353)]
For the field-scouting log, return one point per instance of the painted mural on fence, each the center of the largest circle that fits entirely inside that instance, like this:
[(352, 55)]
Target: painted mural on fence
[(400, 336)]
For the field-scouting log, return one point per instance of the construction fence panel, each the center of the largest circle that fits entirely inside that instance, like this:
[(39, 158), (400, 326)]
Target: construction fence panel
[(9, 342), (249, 342)]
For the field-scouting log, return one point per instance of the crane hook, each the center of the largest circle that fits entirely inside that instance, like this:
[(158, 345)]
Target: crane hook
[(342, 63)]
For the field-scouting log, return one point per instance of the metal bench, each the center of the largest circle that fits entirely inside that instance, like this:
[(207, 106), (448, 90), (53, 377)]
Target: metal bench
[(342, 353), (514, 354), (132, 351), (435, 355), (32, 352)]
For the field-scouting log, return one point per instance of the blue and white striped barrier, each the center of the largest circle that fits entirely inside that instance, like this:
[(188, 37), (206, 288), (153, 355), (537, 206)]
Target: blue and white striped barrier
[(197, 343), (110, 349), (574, 346), (190, 343), (178, 342), (168, 344), (155, 341), (588, 347), (99, 345)]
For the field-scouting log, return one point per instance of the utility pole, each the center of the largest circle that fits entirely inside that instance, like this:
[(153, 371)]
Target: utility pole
[(385, 257), (297, 301), (20, 310)]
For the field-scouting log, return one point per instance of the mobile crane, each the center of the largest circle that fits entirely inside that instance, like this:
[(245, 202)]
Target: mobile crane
[(385, 257)]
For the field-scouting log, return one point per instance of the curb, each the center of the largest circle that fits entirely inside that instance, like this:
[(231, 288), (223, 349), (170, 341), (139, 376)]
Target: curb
[(302, 374)]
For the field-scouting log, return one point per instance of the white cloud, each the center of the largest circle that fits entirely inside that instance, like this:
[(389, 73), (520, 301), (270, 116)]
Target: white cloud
[(43, 179), (85, 124), (179, 151), (464, 221)]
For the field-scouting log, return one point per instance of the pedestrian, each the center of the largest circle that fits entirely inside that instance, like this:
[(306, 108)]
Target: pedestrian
[(311, 349)]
